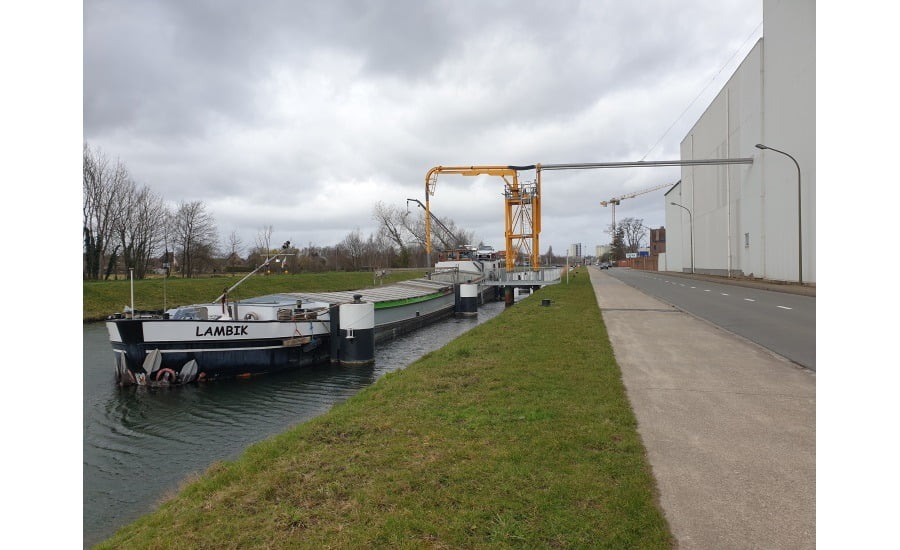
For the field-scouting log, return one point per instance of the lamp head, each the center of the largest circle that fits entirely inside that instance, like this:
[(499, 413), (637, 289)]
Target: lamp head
[(760, 146)]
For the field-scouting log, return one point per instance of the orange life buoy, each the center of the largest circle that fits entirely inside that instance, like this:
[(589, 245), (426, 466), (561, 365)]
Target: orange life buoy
[(161, 372)]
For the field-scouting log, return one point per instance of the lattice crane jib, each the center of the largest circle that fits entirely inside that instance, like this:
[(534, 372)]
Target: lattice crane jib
[(618, 200)]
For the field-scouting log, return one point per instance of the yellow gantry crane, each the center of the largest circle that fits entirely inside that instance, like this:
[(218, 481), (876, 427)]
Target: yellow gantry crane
[(523, 202), (523, 208), (617, 200)]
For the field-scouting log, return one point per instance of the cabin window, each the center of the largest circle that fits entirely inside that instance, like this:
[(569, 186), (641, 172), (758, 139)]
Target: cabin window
[(194, 313)]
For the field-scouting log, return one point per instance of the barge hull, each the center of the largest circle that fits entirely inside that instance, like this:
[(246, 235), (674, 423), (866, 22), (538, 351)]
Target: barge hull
[(226, 360)]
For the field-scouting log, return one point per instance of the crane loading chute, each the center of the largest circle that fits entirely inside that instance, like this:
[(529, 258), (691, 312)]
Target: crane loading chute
[(456, 241)]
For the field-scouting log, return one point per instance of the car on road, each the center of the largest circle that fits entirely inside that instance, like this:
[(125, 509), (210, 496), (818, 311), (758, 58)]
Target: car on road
[(604, 265)]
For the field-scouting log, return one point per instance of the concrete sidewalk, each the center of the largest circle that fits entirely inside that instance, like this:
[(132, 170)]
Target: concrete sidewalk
[(729, 427)]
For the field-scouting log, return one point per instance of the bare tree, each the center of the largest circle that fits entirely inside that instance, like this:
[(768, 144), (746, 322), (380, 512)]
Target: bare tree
[(102, 187), (445, 234), (392, 225), (633, 233), (311, 259), (404, 230), (167, 230), (380, 252), (264, 239), (415, 227), (195, 237), (204, 257), (353, 249), (234, 248), (140, 228), (451, 236)]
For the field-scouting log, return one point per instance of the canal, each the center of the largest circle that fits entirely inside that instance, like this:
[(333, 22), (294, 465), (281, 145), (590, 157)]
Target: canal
[(141, 443)]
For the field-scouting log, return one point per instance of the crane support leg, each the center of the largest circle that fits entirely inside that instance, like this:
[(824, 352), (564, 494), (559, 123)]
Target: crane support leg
[(523, 210)]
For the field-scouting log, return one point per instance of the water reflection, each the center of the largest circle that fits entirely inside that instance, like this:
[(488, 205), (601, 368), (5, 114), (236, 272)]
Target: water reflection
[(141, 442)]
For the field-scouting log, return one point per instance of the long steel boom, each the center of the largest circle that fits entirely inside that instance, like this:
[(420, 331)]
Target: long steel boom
[(262, 265), (640, 163)]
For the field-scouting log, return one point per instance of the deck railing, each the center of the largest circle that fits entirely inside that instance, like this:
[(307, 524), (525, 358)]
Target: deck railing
[(517, 277), (526, 276)]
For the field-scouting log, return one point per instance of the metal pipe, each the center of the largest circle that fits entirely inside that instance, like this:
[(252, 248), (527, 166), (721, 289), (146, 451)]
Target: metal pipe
[(694, 162)]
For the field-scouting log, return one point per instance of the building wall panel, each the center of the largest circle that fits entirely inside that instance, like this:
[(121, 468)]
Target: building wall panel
[(745, 217)]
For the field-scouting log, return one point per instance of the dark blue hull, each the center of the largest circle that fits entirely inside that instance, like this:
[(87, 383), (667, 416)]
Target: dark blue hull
[(226, 360)]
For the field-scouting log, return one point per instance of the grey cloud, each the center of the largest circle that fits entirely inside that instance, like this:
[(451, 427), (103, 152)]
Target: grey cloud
[(270, 103)]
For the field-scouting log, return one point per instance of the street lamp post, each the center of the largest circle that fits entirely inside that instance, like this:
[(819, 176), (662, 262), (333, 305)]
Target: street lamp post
[(691, 221), (799, 212)]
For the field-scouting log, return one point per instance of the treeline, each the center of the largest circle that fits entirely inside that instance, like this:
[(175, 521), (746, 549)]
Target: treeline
[(627, 236), (130, 227)]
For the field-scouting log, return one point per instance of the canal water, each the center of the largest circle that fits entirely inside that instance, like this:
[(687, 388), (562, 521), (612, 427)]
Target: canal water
[(141, 443)]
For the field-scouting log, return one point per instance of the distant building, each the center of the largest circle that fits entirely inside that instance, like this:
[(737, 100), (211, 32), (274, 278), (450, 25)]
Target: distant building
[(575, 250), (601, 250), (657, 241)]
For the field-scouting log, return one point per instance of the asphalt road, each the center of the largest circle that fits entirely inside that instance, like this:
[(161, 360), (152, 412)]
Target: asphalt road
[(781, 322)]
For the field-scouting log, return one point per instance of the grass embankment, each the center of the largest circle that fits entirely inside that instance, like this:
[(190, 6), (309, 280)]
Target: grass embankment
[(103, 298), (516, 434)]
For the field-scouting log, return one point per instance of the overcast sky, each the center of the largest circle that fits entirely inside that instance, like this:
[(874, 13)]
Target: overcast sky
[(270, 116), (302, 115)]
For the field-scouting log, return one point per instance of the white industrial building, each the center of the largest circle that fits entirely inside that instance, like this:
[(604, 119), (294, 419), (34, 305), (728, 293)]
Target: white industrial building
[(744, 218)]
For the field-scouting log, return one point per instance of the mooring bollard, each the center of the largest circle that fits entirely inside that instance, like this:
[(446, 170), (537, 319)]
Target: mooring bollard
[(466, 300), (355, 333)]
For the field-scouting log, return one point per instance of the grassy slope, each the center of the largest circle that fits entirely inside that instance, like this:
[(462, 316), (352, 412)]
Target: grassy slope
[(517, 434), (102, 298)]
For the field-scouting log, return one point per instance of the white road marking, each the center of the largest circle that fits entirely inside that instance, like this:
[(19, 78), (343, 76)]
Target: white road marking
[(785, 307), (693, 287), (706, 290), (723, 294), (750, 299)]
